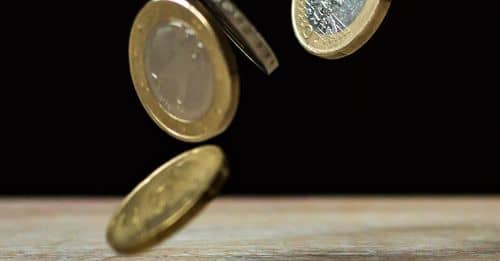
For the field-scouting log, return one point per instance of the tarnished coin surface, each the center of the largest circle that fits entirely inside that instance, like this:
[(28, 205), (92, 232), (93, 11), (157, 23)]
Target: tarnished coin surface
[(167, 199), (336, 28)]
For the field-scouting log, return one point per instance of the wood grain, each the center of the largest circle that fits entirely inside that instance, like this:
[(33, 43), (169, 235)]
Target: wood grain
[(267, 228)]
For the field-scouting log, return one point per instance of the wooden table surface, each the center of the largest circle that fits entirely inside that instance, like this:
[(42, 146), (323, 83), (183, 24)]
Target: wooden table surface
[(267, 228)]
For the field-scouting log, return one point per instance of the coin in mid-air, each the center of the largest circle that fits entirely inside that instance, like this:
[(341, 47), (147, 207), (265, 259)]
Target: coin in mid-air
[(183, 67), (244, 34), (167, 199), (333, 29)]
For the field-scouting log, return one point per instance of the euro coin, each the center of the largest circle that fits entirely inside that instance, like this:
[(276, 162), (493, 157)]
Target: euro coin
[(183, 69), (244, 34), (167, 199), (333, 29)]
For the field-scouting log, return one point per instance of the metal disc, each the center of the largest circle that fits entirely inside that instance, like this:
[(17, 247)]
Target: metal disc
[(333, 29), (244, 34), (167, 199), (191, 94)]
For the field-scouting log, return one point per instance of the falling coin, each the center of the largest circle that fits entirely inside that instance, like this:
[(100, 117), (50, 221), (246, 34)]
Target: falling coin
[(183, 68), (333, 29), (166, 200), (244, 35)]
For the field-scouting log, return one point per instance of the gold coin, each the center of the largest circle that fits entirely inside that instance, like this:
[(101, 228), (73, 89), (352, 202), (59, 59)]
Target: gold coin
[(167, 199), (333, 29), (183, 69)]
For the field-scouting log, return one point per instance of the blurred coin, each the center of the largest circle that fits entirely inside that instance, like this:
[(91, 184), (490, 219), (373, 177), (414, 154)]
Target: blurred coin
[(333, 29), (243, 34), (167, 199)]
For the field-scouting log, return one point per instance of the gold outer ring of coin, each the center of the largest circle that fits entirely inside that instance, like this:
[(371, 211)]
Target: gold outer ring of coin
[(342, 44), (226, 80), (166, 200)]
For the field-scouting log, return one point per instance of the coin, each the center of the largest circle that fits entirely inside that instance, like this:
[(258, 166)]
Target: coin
[(167, 199), (183, 69), (244, 34), (333, 29)]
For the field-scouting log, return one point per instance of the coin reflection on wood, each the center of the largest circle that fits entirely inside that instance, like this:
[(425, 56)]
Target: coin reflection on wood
[(333, 29), (167, 199)]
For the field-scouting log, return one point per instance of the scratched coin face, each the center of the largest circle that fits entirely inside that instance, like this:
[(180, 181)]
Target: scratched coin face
[(332, 16), (168, 198), (173, 57), (336, 28)]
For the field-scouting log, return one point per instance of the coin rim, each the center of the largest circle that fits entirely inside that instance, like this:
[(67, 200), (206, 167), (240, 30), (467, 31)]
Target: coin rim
[(226, 81), (171, 224), (243, 33), (361, 30)]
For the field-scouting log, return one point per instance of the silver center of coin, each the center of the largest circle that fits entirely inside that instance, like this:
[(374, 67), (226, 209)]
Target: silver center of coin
[(332, 16), (179, 71)]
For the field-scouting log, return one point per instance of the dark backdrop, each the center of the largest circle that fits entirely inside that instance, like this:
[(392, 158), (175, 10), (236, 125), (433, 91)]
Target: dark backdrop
[(414, 111)]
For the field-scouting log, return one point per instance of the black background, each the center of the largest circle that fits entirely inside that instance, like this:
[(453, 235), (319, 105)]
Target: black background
[(414, 111)]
